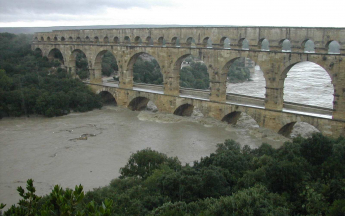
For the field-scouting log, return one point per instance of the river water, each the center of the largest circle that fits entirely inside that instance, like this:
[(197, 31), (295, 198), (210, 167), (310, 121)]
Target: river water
[(306, 83), (89, 148), (55, 150)]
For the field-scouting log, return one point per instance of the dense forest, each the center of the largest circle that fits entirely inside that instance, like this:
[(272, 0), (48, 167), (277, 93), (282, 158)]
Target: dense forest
[(194, 75), (30, 84), (238, 72), (303, 177)]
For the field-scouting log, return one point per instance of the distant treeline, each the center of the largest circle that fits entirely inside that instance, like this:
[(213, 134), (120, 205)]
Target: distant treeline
[(303, 177), (30, 84)]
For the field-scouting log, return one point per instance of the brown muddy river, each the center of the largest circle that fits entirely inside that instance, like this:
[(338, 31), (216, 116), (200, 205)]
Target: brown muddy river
[(89, 148)]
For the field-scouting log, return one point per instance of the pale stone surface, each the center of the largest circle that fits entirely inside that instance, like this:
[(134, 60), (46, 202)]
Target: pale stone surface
[(274, 63)]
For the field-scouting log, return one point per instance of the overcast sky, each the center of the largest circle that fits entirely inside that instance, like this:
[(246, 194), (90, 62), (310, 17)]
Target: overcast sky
[(40, 13)]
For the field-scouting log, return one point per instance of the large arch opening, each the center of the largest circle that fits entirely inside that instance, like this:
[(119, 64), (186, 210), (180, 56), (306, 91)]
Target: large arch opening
[(56, 56), (107, 98), (193, 72), (184, 110), (244, 77), (145, 69), (79, 63), (295, 129), (308, 83), (38, 52), (106, 65)]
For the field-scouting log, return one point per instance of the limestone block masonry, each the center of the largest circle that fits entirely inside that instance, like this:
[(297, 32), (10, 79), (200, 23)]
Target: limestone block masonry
[(169, 46)]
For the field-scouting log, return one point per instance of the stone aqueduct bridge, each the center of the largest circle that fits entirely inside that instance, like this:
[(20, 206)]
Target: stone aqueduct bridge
[(169, 46)]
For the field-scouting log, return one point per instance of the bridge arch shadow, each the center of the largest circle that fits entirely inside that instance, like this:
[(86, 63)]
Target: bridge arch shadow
[(56, 54), (184, 110), (141, 103), (234, 117), (107, 98), (295, 128)]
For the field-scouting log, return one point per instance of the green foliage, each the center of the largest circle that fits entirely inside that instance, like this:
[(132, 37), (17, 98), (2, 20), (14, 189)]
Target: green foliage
[(142, 163), (231, 181), (194, 76), (82, 66), (238, 72), (30, 84), (58, 202), (109, 64), (147, 72)]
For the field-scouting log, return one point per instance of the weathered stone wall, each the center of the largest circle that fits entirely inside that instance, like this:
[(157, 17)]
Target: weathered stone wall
[(274, 63), (274, 120)]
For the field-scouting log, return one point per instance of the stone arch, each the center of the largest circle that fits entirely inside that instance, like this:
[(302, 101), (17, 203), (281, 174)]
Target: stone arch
[(116, 40), (35, 39), (78, 39), (97, 66), (192, 72), (243, 44), (70, 38), (55, 38), (184, 110), (62, 39), (137, 41), (149, 41), (333, 47), (264, 44), (56, 54), (96, 39), (127, 40), (288, 128), (207, 42), (154, 73), (241, 69), (308, 46), (161, 41), (175, 42), (234, 116), (105, 39), (48, 38), (305, 82), (87, 39), (138, 103), (72, 61), (108, 98), (42, 38), (285, 45), (38, 52), (225, 43), (190, 42)]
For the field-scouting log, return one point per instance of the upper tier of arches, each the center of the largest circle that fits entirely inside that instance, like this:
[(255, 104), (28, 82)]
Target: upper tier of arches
[(260, 40)]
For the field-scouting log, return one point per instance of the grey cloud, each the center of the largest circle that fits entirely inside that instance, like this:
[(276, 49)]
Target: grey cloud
[(11, 10)]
